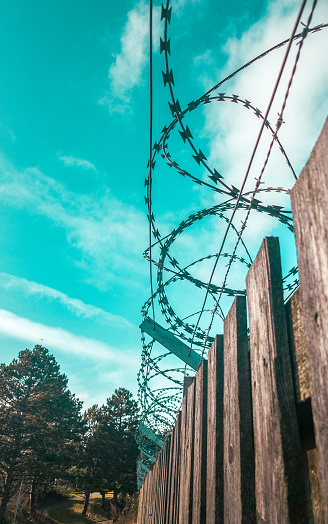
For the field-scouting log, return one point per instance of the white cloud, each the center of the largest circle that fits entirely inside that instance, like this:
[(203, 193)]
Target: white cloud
[(72, 161), (127, 70), (55, 338), (107, 233), (75, 305), (233, 130)]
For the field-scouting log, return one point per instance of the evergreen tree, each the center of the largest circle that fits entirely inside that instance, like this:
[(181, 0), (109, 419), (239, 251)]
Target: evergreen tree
[(40, 422)]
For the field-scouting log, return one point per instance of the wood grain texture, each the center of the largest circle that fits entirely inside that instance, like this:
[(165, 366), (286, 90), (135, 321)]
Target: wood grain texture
[(280, 484), (214, 474), (164, 482), (173, 515), (298, 347), (309, 199), (200, 446), (168, 510), (239, 462), (187, 452), (140, 506)]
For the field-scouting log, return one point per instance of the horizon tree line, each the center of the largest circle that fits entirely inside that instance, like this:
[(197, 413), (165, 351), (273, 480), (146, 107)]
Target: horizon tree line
[(45, 436)]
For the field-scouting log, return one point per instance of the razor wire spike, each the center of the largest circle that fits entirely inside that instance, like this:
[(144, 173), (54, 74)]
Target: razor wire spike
[(152, 164), (165, 46), (221, 97), (235, 99), (168, 78), (166, 13), (215, 176), (247, 103), (186, 133), (199, 157), (175, 107), (156, 147)]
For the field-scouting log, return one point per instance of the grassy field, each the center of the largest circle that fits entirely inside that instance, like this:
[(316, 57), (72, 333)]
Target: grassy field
[(68, 510)]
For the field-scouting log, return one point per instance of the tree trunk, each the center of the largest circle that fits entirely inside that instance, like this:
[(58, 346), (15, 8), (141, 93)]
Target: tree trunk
[(86, 502), (103, 495), (6, 488), (33, 498)]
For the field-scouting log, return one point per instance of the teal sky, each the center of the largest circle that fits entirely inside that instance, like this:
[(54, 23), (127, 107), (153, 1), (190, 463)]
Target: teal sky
[(74, 131)]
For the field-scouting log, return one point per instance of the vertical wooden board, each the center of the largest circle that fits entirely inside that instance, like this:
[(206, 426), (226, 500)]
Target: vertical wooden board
[(182, 474), (238, 456), (309, 199), (146, 504), (165, 466), (200, 446), (280, 485), (214, 474), (168, 509), (186, 471), (140, 505), (156, 488), (298, 347), (173, 514)]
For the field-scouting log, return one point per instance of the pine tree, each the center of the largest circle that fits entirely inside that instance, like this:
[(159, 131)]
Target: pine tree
[(40, 422)]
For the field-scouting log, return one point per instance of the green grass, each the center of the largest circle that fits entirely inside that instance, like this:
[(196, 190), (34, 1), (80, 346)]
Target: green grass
[(72, 514)]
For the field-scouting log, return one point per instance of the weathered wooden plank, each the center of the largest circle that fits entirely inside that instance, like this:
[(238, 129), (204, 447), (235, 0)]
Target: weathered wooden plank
[(173, 517), (172, 343), (298, 347), (182, 455), (168, 510), (187, 451), (300, 370), (164, 484), (309, 199), (140, 506), (187, 381), (200, 446), (156, 488), (214, 474), (280, 485), (239, 461)]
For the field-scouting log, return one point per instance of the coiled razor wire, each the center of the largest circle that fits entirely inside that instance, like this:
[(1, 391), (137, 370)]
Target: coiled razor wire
[(161, 402)]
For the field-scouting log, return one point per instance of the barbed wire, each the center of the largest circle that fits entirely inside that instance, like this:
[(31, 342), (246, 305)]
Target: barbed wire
[(161, 402)]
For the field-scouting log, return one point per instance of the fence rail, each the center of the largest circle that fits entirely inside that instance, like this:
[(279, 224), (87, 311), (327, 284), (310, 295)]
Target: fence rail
[(250, 443)]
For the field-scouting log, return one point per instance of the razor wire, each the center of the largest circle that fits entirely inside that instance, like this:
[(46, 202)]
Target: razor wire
[(161, 403)]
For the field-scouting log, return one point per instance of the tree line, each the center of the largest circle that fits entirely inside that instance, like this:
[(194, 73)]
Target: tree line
[(45, 436)]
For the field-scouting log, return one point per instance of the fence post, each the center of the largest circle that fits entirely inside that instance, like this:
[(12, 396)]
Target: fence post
[(279, 474), (173, 508), (239, 466), (186, 469), (200, 446), (214, 474), (140, 505), (310, 212)]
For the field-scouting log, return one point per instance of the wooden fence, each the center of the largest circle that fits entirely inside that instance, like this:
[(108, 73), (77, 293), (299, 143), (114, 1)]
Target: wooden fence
[(250, 443)]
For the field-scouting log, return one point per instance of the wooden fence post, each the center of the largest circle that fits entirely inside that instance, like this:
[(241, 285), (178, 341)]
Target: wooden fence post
[(187, 449), (173, 507), (200, 446), (140, 505), (239, 465), (214, 474), (279, 474), (310, 213)]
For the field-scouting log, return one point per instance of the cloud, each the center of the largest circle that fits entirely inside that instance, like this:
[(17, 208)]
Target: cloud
[(231, 130), (106, 233), (75, 305), (126, 71), (72, 161), (57, 338)]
